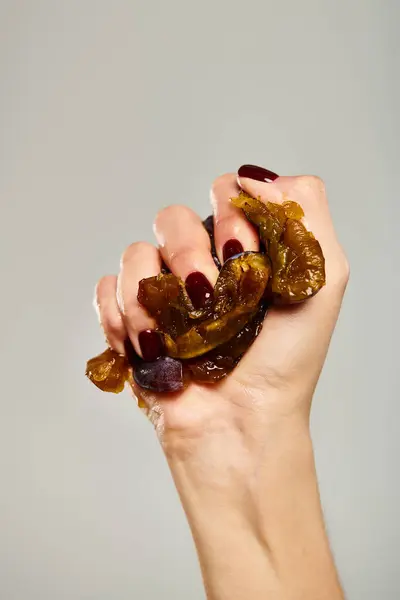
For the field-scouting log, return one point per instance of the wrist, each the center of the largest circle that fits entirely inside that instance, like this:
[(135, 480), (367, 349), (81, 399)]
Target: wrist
[(252, 502), (232, 474)]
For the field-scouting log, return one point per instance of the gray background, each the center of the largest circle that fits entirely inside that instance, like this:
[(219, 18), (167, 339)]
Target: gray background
[(109, 111)]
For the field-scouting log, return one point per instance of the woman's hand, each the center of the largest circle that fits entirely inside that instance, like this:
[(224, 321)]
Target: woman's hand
[(240, 451)]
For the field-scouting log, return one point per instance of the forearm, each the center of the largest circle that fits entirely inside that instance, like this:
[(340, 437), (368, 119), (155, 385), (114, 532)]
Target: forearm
[(259, 534)]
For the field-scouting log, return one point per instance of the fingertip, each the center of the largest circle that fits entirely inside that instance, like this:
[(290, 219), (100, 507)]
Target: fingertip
[(258, 182), (258, 189)]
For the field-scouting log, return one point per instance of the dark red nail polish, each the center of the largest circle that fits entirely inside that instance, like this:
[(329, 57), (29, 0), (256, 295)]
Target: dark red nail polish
[(257, 173), (199, 289), (231, 248), (151, 345)]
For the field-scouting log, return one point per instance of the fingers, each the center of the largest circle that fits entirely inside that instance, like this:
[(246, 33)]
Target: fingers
[(108, 312), (185, 248), (289, 333), (233, 233), (140, 260)]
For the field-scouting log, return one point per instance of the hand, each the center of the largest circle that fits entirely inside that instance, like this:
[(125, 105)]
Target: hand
[(217, 437), (290, 351)]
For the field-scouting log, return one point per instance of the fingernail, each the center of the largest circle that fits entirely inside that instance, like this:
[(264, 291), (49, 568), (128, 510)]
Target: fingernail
[(231, 248), (257, 173), (199, 289), (151, 345)]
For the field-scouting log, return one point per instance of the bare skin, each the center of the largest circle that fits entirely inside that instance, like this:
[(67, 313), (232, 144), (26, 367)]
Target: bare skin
[(240, 452)]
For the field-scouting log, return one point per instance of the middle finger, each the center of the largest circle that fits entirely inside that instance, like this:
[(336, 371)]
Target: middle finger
[(185, 248)]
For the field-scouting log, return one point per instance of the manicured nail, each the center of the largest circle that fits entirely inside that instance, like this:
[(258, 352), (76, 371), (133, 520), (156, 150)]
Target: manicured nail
[(231, 248), (151, 345), (199, 289), (257, 173)]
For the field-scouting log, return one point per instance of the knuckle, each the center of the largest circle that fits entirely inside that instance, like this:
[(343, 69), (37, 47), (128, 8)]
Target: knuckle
[(106, 286), (228, 223), (314, 182), (311, 186), (174, 211), (103, 285), (113, 325), (343, 272), (185, 255), (134, 250), (222, 180), (339, 273), (345, 269)]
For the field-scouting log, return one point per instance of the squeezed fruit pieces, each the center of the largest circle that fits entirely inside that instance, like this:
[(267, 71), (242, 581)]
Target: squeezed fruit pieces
[(297, 261), (205, 345)]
